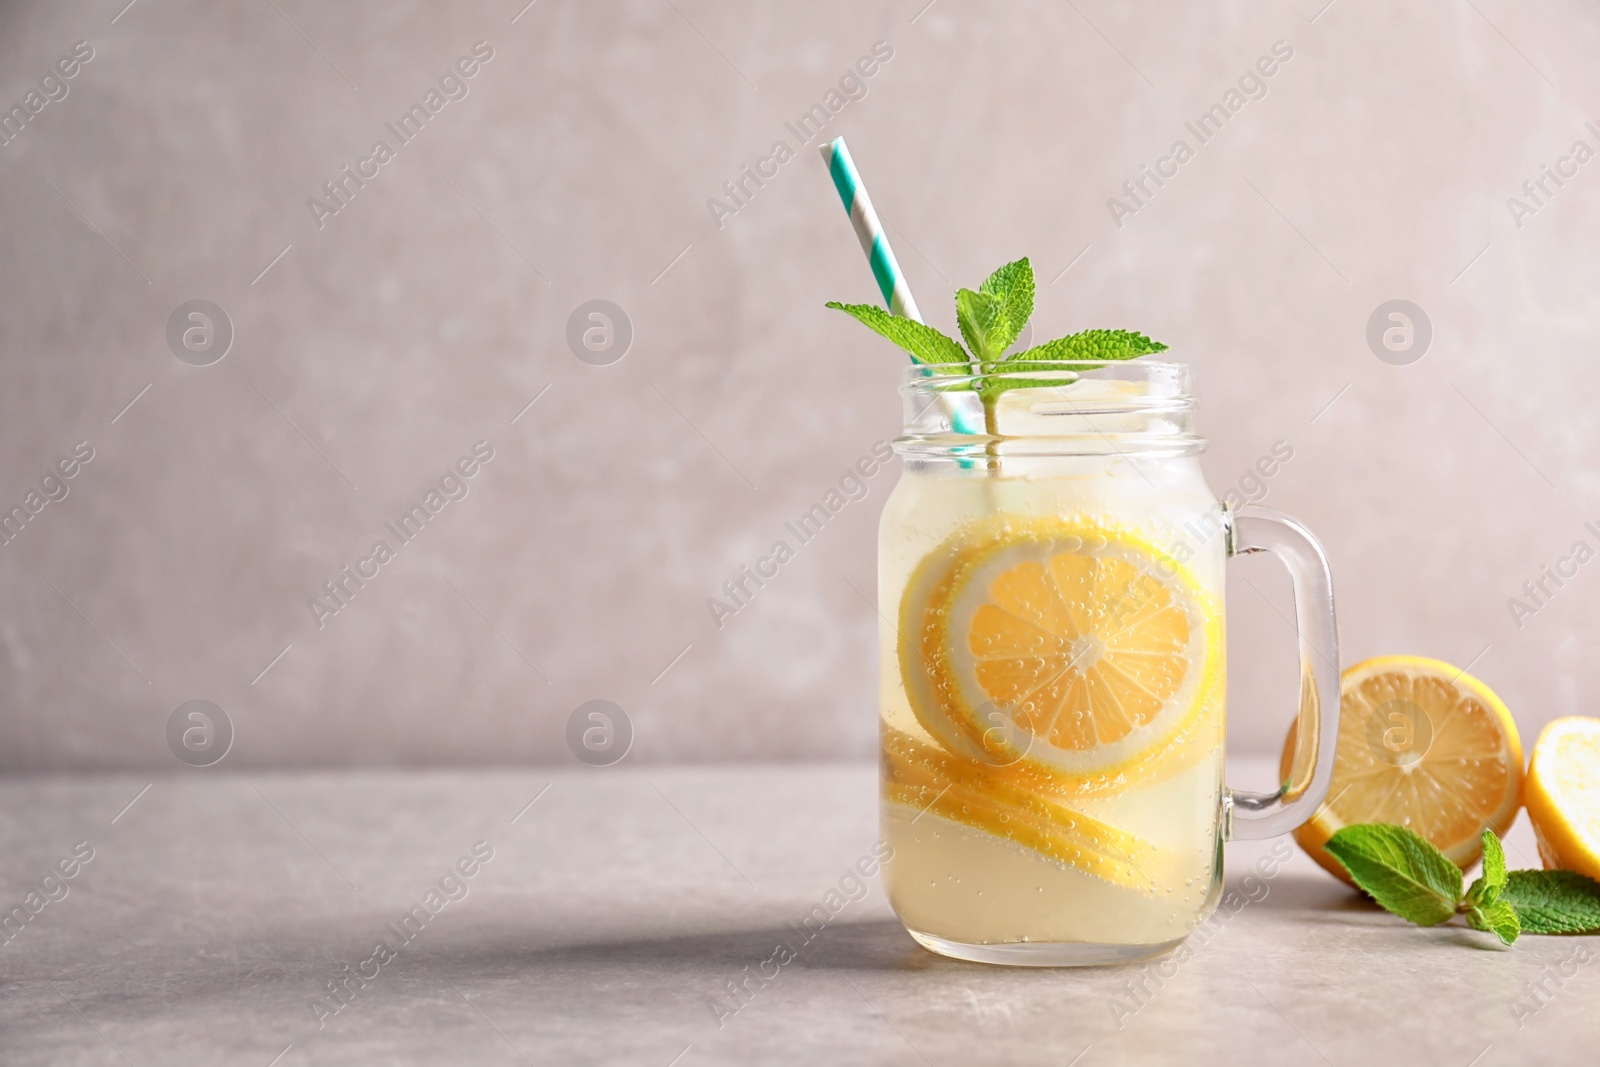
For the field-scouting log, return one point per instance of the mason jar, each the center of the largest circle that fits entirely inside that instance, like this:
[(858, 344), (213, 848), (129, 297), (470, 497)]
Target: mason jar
[(1053, 672)]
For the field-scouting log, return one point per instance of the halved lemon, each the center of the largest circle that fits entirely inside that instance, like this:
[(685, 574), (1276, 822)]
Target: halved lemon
[(1076, 648), (1422, 745), (1564, 795)]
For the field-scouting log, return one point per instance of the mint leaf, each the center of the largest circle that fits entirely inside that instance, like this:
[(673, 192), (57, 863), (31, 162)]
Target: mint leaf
[(1487, 889), (924, 343), (1498, 917), (984, 325), (1494, 860), (1013, 284), (1554, 902), (1481, 892), (1087, 345), (1401, 870), (1093, 344)]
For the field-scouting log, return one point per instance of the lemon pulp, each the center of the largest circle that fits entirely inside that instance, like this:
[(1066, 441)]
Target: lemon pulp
[(1563, 795), (1422, 745)]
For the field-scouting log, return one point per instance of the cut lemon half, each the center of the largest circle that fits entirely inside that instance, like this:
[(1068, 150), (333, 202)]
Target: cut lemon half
[(1076, 647), (1564, 795), (1422, 745)]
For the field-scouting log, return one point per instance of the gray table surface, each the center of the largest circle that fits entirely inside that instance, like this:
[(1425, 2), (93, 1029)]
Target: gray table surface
[(217, 908)]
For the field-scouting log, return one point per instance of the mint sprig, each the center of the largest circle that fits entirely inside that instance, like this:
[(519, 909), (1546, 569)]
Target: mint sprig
[(991, 318), (1407, 875)]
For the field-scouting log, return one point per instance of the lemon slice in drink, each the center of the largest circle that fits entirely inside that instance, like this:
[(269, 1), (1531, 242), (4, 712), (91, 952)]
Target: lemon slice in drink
[(1564, 795), (928, 779), (1077, 647), (1422, 745)]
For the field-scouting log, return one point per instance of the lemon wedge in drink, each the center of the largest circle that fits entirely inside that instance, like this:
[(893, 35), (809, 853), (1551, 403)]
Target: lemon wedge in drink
[(1564, 795), (1078, 649), (1422, 745)]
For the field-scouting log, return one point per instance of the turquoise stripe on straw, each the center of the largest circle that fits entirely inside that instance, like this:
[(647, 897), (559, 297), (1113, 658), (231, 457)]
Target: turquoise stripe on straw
[(844, 176), (886, 270)]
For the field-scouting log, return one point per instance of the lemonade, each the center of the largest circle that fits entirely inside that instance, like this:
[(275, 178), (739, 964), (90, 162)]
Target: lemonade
[(1050, 580), (1052, 681)]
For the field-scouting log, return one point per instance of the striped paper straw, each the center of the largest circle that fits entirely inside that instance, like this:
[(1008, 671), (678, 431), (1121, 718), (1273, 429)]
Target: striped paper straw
[(875, 243)]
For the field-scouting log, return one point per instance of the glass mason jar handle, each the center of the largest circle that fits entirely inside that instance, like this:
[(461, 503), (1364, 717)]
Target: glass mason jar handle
[(1252, 816)]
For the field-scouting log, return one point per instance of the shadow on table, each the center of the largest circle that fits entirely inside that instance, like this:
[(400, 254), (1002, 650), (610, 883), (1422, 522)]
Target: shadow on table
[(1298, 891), (869, 945), (882, 945)]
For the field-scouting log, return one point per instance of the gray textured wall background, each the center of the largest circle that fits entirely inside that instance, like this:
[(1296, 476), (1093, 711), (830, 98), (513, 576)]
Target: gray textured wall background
[(429, 311)]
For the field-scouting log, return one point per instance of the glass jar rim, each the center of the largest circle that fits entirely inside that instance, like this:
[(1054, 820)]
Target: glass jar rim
[(1176, 375), (1167, 384), (1144, 406)]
